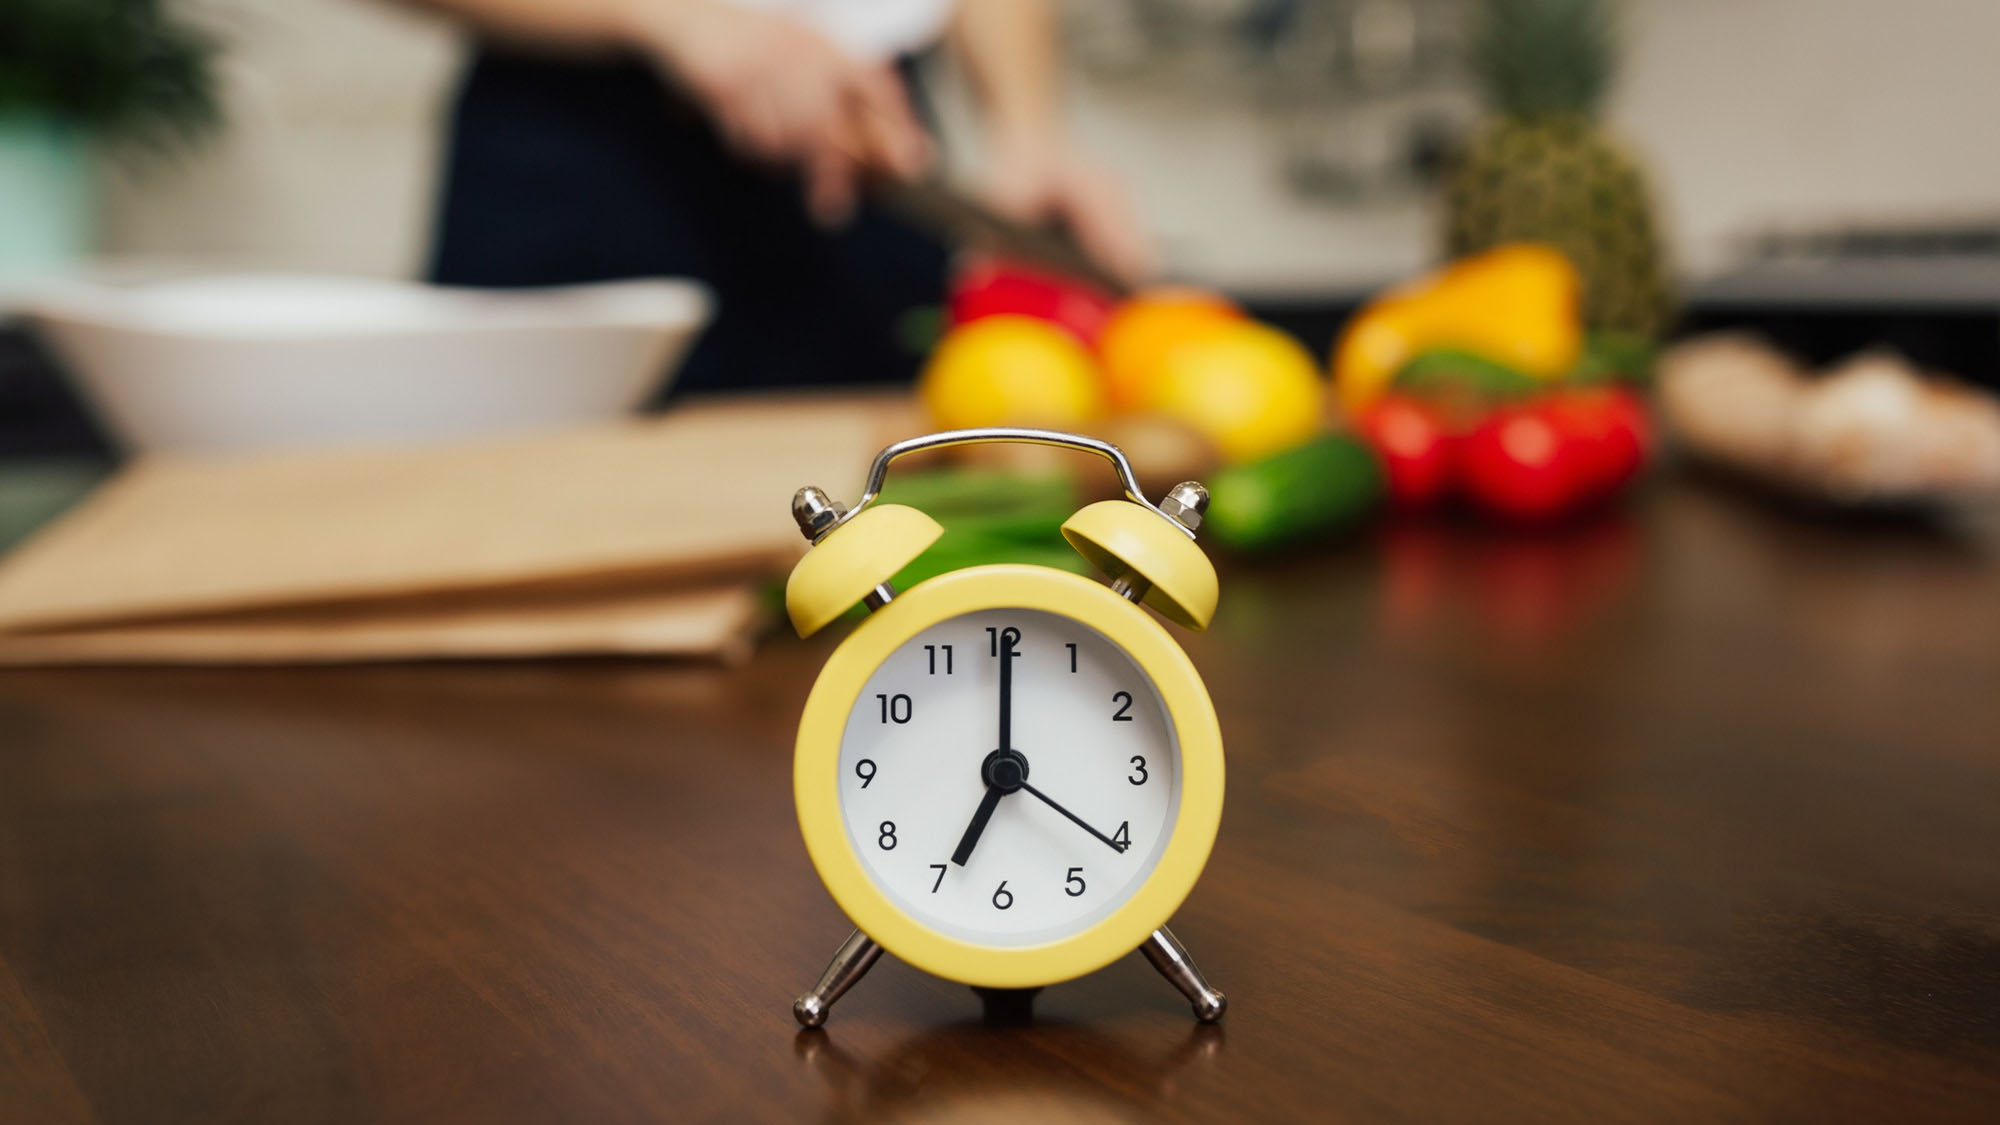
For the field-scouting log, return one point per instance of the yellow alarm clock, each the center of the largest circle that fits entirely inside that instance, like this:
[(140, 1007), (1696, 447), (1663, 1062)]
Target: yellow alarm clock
[(1007, 775)]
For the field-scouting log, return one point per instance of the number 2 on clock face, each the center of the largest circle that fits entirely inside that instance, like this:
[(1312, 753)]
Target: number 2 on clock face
[(1061, 847)]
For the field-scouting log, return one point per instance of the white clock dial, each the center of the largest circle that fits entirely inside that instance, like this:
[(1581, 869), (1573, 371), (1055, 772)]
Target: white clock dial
[(922, 753)]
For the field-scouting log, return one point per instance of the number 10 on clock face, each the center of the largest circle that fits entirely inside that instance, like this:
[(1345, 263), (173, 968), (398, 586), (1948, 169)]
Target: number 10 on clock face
[(1009, 777)]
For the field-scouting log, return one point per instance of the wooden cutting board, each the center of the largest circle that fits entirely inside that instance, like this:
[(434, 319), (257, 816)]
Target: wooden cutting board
[(719, 624), (650, 508)]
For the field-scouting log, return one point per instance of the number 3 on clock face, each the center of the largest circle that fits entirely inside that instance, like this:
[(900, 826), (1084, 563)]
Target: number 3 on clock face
[(1009, 776)]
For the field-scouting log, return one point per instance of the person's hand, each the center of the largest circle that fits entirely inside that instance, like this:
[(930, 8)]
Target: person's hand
[(780, 91), (1043, 180)]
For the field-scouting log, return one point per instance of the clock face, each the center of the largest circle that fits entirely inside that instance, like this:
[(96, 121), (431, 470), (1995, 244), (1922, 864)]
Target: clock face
[(1009, 777)]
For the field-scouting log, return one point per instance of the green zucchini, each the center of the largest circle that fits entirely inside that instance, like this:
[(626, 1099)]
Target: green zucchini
[(1326, 485)]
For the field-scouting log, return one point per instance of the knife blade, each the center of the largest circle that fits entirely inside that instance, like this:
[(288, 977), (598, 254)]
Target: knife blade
[(956, 217)]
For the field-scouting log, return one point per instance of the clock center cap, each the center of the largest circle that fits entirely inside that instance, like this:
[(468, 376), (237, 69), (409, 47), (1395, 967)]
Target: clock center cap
[(1004, 770)]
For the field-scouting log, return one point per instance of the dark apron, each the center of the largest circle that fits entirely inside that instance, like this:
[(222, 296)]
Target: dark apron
[(564, 171)]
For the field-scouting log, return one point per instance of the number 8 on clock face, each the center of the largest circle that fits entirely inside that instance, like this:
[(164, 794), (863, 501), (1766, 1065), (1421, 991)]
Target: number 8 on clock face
[(1078, 746)]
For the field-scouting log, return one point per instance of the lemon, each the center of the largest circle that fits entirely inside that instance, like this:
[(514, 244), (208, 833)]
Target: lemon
[(1249, 388), (1010, 371)]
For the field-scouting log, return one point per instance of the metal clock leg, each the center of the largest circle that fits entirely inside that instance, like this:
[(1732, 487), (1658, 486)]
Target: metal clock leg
[(1169, 956), (855, 957)]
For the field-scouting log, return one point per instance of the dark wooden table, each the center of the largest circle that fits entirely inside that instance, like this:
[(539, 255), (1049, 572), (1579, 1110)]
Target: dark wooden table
[(1688, 815)]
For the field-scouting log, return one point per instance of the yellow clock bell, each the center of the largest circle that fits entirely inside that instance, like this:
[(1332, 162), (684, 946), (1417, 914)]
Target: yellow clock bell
[(1007, 775)]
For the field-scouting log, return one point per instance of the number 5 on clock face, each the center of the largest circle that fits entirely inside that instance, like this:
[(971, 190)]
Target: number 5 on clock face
[(1009, 777)]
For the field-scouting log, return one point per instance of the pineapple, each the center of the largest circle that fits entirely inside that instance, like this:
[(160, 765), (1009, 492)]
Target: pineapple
[(1542, 170)]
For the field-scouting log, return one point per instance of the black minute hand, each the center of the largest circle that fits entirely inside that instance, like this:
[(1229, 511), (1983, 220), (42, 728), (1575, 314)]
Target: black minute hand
[(1075, 819), (1008, 638)]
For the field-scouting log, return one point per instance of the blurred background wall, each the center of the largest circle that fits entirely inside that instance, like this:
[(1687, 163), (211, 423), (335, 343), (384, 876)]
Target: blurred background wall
[(1753, 113)]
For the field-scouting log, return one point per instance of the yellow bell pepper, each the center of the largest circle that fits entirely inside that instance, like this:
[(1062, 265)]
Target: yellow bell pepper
[(1519, 305)]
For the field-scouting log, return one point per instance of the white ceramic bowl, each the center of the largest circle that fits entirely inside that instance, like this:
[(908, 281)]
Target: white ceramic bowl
[(258, 361)]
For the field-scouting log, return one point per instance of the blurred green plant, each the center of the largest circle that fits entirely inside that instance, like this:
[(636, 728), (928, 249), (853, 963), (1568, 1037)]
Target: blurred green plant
[(127, 71)]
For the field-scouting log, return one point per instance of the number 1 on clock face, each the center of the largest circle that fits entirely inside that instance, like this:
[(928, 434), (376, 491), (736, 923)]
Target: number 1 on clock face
[(1021, 842)]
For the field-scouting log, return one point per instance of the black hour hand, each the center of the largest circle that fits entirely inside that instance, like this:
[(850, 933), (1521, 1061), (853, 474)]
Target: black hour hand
[(980, 816)]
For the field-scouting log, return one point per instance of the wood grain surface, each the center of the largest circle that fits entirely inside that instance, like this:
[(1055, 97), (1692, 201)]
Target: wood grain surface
[(1692, 814)]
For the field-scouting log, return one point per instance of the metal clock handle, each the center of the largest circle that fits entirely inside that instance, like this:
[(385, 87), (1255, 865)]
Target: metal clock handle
[(878, 473)]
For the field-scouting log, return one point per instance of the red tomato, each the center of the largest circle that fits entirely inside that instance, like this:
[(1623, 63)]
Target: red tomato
[(1521, 464), (1609, 429), (990, 287), (1629, 413), (1415, 445)]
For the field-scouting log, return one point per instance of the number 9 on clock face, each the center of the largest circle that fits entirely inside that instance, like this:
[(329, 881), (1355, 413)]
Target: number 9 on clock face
[(1009, 777)]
